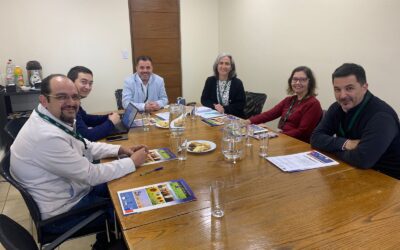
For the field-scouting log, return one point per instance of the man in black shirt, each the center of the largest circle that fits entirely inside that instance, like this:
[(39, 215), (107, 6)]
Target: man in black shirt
[(359, 128)]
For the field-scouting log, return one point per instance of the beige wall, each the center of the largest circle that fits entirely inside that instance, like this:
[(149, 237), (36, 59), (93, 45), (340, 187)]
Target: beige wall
[(199, 36), (271, 37), (64, 33), (268, 38)]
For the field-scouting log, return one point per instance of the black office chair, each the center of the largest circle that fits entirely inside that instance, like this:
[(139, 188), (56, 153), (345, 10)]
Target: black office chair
[(51, 241), (254, 104), (14, 236), (13, 126), (118, 98)]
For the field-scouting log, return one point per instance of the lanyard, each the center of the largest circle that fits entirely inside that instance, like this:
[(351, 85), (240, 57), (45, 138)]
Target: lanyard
[(289, 112), (353, 119), (219, 95), (147, 92), (62, 127)]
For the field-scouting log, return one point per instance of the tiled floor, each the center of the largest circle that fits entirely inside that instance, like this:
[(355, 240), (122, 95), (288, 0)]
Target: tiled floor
[(12, 204)]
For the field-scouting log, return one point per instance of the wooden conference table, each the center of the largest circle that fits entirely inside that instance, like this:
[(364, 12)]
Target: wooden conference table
[(332, 207)]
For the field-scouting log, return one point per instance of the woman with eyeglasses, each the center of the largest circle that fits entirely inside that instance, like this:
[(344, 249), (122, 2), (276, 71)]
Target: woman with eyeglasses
[(300, 112), (223, 91)]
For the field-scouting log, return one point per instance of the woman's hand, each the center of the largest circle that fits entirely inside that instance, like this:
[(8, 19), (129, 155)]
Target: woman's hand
[(219, 108)]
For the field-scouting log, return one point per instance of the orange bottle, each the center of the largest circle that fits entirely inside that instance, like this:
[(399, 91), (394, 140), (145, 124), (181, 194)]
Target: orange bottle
[(19, 79)]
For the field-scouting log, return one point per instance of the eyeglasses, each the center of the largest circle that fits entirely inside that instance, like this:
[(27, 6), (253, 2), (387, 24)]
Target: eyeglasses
[(301, 80), (64, 98)]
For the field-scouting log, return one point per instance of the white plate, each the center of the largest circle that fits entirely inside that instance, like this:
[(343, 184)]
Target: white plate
[(212, 146), (159, 126)]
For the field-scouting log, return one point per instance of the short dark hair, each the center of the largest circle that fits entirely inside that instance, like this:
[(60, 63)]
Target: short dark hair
[(312, 84), (231, 73), (144, 58), (45, 85), (74, 72), (348, 69)]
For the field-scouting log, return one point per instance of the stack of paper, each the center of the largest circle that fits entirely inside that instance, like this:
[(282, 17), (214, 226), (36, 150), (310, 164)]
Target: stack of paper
[(302, 161), (163, 115)]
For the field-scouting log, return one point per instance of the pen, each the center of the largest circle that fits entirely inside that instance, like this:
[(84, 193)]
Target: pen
[(150, 171)]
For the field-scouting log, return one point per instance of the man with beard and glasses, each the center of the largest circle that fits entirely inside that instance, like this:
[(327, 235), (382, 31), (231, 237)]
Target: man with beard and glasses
[(359, 128), (53, 162), (144, 89), (92, 127)]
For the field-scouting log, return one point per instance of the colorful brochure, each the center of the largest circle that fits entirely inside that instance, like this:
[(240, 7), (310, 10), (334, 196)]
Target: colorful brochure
[(163, 115), (159, 155), (155, 196), (217, 121), (270, 135), (302, 161), (207, 113), (258, 129)]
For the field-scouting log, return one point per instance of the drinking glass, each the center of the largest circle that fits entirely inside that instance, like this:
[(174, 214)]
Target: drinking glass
[(193, 113), (217, 198), (264, 140), (146, 121), (249, 134), (176, 119), (179, 147), (233, 140), (231, 148)]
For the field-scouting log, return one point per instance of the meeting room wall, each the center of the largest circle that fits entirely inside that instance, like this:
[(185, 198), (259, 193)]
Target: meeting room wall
[(269, 38), (65, 33), (199, 39)]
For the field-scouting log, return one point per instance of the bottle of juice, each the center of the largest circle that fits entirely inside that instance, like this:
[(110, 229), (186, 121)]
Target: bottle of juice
[(19, 79)]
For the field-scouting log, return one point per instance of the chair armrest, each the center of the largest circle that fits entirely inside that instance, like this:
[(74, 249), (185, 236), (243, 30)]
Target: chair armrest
[(84, 210), (73, 230)]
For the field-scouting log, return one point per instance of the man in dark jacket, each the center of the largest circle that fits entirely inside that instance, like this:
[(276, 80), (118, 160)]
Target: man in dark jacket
[(91, 127), (359, 128)]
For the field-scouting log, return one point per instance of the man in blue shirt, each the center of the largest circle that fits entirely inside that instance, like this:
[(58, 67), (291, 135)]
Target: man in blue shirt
[(91, 127), (144, 89)]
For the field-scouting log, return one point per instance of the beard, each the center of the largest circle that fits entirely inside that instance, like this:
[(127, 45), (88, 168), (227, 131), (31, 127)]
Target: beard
[(65, 117)]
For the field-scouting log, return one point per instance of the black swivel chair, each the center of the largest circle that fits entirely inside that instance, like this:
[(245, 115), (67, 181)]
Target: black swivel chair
[(51, 241), (13, 126), (14, 236), (254, 104), (118, 98)]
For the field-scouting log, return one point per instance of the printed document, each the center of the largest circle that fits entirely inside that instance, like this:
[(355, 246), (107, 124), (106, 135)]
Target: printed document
[(302, 161)]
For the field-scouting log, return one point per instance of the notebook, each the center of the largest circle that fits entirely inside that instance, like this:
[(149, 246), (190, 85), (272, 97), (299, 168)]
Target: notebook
[(126, 122)]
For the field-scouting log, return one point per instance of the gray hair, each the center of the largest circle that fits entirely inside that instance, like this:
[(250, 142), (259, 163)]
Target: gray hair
[(231, 73)]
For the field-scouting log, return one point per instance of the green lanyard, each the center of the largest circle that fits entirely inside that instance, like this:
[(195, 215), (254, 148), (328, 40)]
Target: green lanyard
[(353, 120), (62, 127)]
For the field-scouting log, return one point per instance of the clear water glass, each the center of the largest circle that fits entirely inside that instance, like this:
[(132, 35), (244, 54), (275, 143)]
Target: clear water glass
[(217, 198), (179, 147), (264, 140), (146, 121), (176, 119), (193, 112), (232, 148), (249, 134), (182, 148)]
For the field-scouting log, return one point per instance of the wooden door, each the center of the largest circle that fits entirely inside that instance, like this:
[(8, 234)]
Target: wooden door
[(155, 32)]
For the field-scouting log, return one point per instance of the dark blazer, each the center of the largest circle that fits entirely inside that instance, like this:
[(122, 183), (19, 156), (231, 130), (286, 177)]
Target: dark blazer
[(237, 97), (93, 127)]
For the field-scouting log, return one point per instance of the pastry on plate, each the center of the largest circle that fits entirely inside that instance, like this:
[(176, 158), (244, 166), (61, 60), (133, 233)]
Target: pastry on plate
[(199, 147)]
